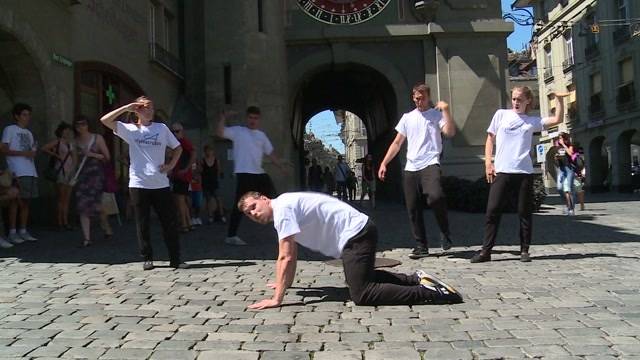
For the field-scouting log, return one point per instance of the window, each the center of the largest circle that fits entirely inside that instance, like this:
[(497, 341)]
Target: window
[(260, 16), (227, 84), (626, 91), (568, 47), (595, 103), (622, 9), (593, 37), (153, 10), (168, 30), (363, 129), (548, 59)]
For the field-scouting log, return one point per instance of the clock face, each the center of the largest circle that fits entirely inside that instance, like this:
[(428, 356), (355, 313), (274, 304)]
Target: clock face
[(342, 12)]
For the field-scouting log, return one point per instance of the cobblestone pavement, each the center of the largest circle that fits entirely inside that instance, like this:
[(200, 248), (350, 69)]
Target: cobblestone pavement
[(578, 299)]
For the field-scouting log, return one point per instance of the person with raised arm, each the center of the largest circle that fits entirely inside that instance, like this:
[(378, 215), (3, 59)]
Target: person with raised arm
[(148, 181), (511, 130)]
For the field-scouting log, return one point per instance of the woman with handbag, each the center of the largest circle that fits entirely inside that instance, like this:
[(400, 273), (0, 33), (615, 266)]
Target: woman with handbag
[(60, 170), (89, 178)]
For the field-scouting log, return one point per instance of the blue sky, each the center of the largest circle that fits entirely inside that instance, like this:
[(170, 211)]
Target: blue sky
[(521, 34), (324, 126)]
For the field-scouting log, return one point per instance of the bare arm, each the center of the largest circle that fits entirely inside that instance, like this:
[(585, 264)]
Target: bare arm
[(559, 115), (285, 273), (394, 148), (109, 119), (449, 128), (103, 151), (175, 155), (490, 170), (49, 148)]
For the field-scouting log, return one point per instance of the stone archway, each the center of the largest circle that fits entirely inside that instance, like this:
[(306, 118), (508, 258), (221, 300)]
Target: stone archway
[(623, 181), (598, 166), (20, 82), (25, 73), (356, 88)]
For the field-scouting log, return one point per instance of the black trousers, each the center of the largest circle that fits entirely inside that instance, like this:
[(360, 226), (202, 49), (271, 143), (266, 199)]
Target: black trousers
[(162, 202), (368, 286), (427, 182), (342, 190), (244, 183), (502, 188)]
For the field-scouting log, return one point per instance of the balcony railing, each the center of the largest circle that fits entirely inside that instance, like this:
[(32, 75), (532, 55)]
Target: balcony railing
[(167, 60), (567, 64), (621, 35), (591, 51), (548, 75)]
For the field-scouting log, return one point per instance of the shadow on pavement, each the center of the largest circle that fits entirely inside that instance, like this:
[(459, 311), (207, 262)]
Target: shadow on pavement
[(603, 224)]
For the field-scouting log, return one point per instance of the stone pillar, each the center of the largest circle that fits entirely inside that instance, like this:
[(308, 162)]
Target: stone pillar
[(249, 43)]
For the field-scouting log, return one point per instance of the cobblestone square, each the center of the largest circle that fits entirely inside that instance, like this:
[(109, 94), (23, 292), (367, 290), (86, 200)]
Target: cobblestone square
[(578, 299)]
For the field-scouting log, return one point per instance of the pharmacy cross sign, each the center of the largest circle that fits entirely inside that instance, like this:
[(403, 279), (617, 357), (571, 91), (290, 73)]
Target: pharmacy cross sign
[(111, 95)]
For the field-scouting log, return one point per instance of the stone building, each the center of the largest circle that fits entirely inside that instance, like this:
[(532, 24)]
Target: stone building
[(353, 134), (293, 58), (592, 49)]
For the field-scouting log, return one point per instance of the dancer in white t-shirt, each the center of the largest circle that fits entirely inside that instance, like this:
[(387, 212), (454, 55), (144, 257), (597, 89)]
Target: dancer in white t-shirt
[(512, 170), (250, 145), (331, 227), (423, 128), (148, 181)]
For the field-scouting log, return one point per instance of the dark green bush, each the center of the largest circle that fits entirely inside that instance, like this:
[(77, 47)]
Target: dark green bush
[(471, 196)]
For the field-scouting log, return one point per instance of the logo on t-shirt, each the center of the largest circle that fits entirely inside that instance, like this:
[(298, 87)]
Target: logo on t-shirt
[(149, 140), (24, 141)]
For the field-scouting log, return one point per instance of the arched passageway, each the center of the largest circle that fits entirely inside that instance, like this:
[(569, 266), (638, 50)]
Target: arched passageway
[(355, 88), (625, 144), (20, 81)]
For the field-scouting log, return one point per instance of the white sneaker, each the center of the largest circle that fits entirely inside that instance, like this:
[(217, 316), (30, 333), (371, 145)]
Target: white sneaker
[(5, 244), (15, 238), (234, 240), (27, 237), (198, 221)]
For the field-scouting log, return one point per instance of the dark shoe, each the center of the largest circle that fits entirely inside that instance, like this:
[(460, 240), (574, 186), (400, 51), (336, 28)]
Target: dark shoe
[(446, 242), (524, 257), (179, 265), (148, 265), (419, 252), (445, 293), (481, 257)]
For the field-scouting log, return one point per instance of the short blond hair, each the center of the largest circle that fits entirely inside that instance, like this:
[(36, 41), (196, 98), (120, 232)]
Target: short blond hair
[(247, 195)]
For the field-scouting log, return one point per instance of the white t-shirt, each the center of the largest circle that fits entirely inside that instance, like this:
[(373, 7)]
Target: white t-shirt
[(319, 222), (249, 145), (19, 139), (514, 133), (424, 141), (147, 146)]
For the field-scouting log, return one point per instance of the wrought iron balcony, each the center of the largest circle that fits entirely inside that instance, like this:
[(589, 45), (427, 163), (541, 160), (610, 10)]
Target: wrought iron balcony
[(166, 59)]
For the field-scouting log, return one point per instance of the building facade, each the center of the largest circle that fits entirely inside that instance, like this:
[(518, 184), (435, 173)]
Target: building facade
[(589, 49), (292, 58), (66, 58), (353, 133)]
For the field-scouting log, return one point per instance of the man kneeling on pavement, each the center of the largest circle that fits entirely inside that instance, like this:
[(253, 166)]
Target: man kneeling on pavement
[(329, 226)]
